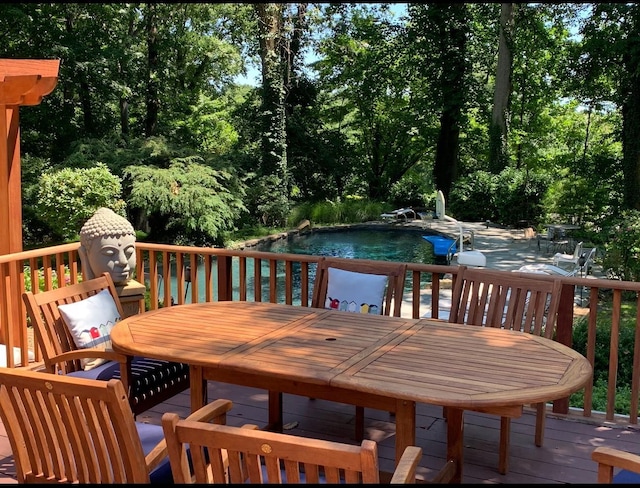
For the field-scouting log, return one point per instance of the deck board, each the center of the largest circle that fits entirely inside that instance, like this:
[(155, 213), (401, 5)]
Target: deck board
[(565, 456)]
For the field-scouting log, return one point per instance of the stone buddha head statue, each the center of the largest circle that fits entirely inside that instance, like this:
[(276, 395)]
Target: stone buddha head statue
[(107, 244)]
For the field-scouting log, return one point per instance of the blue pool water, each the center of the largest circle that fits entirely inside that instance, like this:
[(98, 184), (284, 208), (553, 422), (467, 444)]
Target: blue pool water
[(386, 245)]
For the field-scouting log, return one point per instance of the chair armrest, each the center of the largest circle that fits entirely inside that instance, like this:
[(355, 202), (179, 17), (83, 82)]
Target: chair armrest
[(446, 473), (156, 455), (89, 353), (405, 471), (609, 458), (216, 411)]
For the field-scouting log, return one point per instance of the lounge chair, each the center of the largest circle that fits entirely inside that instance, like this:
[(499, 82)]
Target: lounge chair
[(549, 269), (568, 258), (557, 270), (401, 213)]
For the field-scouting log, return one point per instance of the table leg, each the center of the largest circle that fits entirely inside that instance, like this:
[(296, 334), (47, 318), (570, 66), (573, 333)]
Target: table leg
[(198, 388), (275, 411), (455, 437), (405, 426)]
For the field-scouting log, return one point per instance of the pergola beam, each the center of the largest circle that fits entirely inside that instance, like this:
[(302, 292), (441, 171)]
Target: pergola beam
[(22, 82)]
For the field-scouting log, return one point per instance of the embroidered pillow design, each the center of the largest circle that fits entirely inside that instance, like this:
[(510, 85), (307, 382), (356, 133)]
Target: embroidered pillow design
[(355, 292)]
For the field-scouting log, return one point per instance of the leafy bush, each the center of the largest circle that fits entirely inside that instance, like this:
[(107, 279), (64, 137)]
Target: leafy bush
[(599, 398), (622, 250), (268, 201), (68, 197), (601, 361), (506, 198), (352, 210), (187, 202), (28, 285), (408, 192), (472, 198)]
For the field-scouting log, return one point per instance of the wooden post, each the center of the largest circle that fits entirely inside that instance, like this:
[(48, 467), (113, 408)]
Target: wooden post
[(564, 334), (22, 82)]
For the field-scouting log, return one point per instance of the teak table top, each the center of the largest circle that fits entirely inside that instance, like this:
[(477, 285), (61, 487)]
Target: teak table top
[(369, 360)]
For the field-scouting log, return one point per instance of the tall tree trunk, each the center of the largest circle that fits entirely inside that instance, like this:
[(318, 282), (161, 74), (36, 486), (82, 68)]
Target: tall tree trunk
[(292, 53), (631, 147), (452, 81), (498, 129), (153, 102), (83, 92), (274, 145)]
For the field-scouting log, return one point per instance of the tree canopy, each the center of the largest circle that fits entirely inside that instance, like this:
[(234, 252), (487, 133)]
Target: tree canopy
[(534, 101)]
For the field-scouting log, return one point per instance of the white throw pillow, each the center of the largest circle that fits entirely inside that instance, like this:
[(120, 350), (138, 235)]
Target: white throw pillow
[(355, 292), (90, 322)]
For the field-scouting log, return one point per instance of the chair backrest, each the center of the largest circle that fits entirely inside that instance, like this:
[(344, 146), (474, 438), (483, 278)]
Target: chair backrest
[(395, 272), (245, 454), (588, 261), (577, 251), (70, 429), (518, 301), (53, 336)]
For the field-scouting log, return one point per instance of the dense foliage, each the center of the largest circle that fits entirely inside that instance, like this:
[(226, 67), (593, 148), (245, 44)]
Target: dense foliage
[(385, 102), (624, 374)]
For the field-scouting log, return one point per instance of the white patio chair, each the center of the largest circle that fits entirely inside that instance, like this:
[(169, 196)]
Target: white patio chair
[(568, 258)]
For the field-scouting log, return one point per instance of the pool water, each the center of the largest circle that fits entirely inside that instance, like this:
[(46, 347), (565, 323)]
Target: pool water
[(385, 245)]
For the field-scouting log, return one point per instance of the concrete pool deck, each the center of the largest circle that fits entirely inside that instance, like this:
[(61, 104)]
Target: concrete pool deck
[(505, 249)]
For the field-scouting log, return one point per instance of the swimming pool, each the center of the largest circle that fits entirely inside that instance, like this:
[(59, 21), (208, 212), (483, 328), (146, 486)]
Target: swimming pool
[(382, 243)]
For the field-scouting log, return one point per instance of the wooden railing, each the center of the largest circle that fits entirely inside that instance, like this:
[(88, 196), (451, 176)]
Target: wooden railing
[(175, 275)]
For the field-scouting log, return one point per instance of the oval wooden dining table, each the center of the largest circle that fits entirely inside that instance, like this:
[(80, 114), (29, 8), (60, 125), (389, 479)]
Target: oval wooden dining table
[(387, 363)]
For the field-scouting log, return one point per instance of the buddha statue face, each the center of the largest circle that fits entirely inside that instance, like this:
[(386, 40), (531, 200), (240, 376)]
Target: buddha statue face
[(107, 245)]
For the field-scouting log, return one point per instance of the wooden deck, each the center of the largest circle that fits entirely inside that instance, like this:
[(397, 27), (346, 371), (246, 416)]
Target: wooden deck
[(564, 458)]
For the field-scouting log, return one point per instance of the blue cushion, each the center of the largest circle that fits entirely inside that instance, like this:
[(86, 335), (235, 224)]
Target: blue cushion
[(321, 478), (150, 435), (625, 476), (103, 372)]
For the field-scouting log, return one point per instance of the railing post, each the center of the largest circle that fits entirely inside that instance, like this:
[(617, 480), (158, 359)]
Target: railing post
[(225, 288), (564, 334)]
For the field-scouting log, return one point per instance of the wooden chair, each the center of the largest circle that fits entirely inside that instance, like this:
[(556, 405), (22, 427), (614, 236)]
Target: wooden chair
[(391, 302), (626, 465), (257, 456), (514, 301), (147, 381), (395, 272), (77, 430)]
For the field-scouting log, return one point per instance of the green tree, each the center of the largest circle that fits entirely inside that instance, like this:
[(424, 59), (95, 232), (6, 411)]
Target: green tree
[(442, 38), (186, 202), (610, 58), (499, 125), (366, 95), (273, 44)]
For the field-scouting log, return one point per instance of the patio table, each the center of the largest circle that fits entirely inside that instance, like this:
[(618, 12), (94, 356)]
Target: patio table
[(387, 363)]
